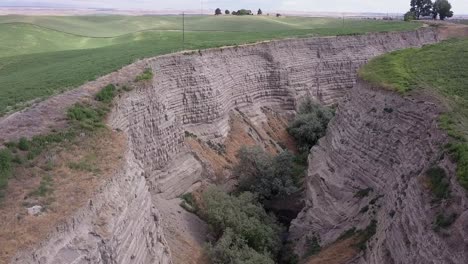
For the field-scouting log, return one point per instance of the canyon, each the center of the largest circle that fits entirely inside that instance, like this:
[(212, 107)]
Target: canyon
[(135, 216)]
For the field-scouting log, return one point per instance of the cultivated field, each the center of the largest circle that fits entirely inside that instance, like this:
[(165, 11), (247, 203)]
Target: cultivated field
[(40, 56)]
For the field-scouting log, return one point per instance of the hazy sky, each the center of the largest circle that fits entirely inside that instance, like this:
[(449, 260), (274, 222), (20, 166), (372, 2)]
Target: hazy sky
[(459, 6)]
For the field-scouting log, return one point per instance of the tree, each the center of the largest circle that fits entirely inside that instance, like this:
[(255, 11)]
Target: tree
[(218, 11), (227, 12), (259, 12), (244, 216), (278, 15), (410, 16), (421, 8), (233, 249), (310, 124), (268, 177), (443, 9)]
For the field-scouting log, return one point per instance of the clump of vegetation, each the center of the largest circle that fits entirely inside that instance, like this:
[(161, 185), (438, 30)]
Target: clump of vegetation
[(231, 248), (268, 177), (443, 221), (189, 203), (439, 183), (363, 192), (310, 124), (366, 234), (460, 153), (312, 246), (86, 116), (5, 168), (45, 187), (145, 76), (23, 144), (242, 226), (189, 134), (106, 94)]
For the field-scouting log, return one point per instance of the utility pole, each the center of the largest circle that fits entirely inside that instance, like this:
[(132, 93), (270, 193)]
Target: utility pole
[(201, 10), (183, 30)]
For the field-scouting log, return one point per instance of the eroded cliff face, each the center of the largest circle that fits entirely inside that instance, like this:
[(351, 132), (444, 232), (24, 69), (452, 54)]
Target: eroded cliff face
[(383, 143), (119, 225), (197, 93)]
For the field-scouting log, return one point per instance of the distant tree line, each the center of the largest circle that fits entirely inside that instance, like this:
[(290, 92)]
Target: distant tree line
[(427, 8), (241, 12)]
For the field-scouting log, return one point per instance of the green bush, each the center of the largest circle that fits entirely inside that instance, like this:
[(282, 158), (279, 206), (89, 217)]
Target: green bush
[(367, 234), (410, 16), (312, 246), (460, 153), (107, 94), (233, 249), (23, 144), (5, 167), (145, 76), (245, 217), (310, 124), (86, 117), (268, 177), (439, 183), (443, 221)]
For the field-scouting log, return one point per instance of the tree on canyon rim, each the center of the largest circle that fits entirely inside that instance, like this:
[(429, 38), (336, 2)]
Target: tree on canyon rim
[(442, 8), (421, 8)]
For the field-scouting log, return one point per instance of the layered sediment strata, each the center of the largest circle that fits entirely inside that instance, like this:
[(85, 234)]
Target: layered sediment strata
[(383, 143), (195, 92), (119, 225)]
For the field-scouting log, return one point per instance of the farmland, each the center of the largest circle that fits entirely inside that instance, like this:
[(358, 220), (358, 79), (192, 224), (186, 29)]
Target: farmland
[(42, 56)]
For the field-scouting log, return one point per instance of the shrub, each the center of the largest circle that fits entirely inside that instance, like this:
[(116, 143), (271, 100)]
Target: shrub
[(107, 94), (5, 167), (23, 144), (409, 16), (367, 234), (443, 221), (45, 187), (439, 183), (268, 177), (310, 124), (244, 216), (145, 76), (86, 117), (233, 249), (460, 153), (312, 246), (363, 193)]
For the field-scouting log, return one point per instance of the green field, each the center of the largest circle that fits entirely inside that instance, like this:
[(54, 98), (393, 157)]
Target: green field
[(41, 56), (441, 69)]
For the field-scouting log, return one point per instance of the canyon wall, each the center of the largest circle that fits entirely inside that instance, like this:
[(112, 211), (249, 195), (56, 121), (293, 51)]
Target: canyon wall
[(383, 143), (195, 92)]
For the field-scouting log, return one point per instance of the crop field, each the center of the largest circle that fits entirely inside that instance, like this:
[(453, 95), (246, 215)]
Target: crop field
[(441, 69), (44, 55)]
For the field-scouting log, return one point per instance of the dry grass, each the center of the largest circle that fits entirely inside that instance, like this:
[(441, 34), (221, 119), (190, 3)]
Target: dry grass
[(339, 252), (100, 155)]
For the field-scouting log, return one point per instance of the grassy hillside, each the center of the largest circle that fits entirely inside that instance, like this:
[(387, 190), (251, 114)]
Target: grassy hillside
[(442, 68), (40, 56)]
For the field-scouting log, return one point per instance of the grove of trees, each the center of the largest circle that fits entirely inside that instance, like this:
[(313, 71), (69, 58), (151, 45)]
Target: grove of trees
[(241, 12), (425, 8)]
